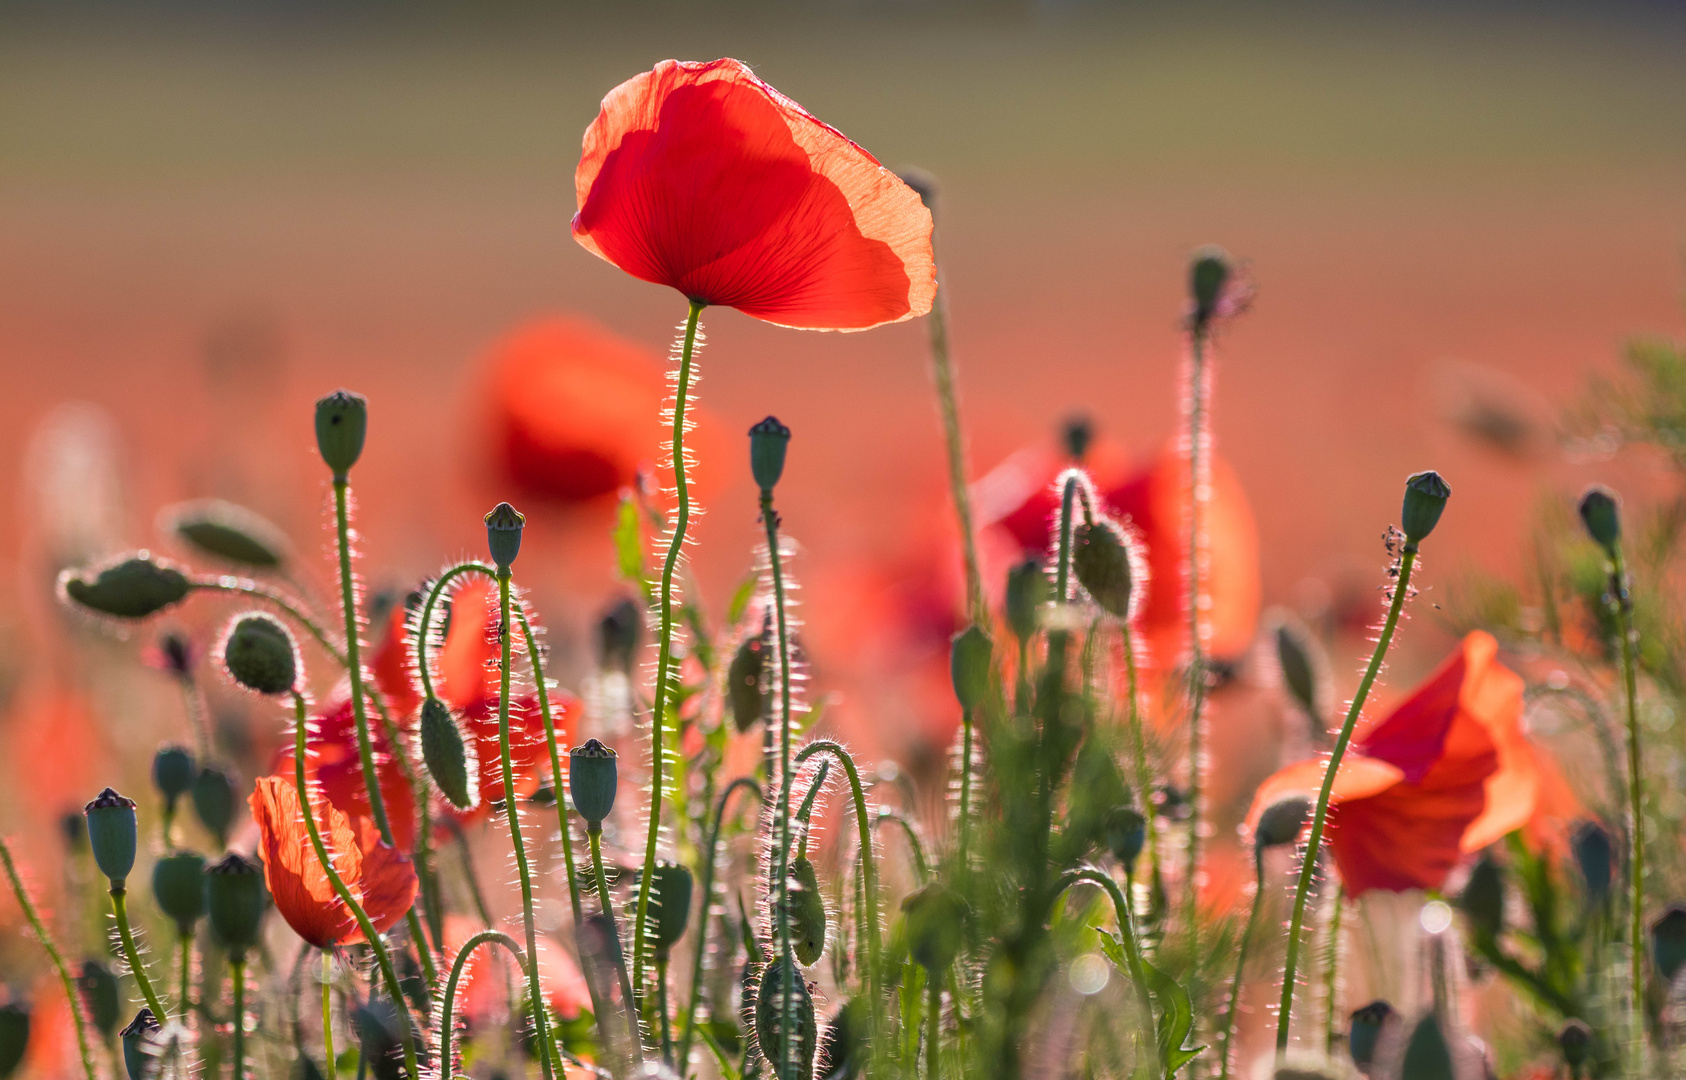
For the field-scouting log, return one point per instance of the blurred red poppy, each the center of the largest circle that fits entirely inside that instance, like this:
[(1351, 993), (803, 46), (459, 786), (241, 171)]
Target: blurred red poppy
[(335, 767), (1446, 773), (379, 877), (701, 177)]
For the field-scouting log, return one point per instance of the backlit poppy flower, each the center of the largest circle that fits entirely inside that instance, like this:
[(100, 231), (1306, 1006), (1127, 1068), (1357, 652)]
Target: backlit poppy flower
[(701, 177), (1446, 773), (379, 877)]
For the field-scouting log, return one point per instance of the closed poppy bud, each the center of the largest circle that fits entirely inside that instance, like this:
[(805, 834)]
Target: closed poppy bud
[(769, 1019), (1427, 1055), (228, 532), (342, 419), (935, 917), (1077, 433), (672, 889), (592, 779), (1282, 822), (617, 635), (1101, 560), (447, 755), (1483, 898), (1366, 1030), (172, 772), (214, 801), (1601, 513), (98, 986), (807, 912), (134, 588), (1425, 498), (234, 899), (1297, 660), (746, 683), (1574, 1038), (1668, 941), (260, 655), (178, 885), (1126, 835), (840, 1056), (1027, 591), (1207, 276), (1595, 858), (112, 833), (968, 664), (138, 1050), (768, 441), (503, 534)]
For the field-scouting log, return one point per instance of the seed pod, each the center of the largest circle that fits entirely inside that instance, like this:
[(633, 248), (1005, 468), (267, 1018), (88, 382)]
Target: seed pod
[(178, 885), (234, 899), (448, 755), (1101, 558), (136, 587), (1595, 858), (1425, 499), (214, 802), (592, 779), (1282, 822), (1207, 275), (138, 1049), (342, 420), (503, 534), (807, 912), (1027, 592), (746, 682), (1365, 1033), (1668, 942), (672, 890), (769, 1021), (1298, 661), (1126, 835), (1601, 513), (112, 833), (1574, 1038), (14, 1036), (768, 441), (260, 654), (1483, 898), (228, 532), (841, 1055), (100, 993), (172, 772), (617, 635), (935, 917), (1427, 1056), (968, 664)]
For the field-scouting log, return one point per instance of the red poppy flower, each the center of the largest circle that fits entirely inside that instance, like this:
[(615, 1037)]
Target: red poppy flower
[(701, 177), (482, 1000), (378, 876), (335, 766), (1446, 773)]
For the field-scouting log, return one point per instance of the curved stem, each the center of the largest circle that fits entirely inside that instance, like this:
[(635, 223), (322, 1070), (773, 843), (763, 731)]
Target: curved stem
[(557, 780), (447, 1021), (1132, 954), (1623, 600), (328, 1013), (1198, 466), (371, 936), (1320, 815), (120, 908), (869, 872), (237, 972), (1228, 1032), (228, 583), (781, 811), (665, 680), (920, 866), (709, 853), (53, 955)]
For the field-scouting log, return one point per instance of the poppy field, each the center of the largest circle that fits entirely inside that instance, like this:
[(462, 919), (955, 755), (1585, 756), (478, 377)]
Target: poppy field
[(1067, 786)]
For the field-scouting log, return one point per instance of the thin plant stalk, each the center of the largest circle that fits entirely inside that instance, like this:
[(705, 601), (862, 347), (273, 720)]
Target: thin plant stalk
[(948, 402), (1228, 1032), (1198, 482), (556, 779), (1132, 955), (237, 1021), (1144, 772), (120, 909), (1320, 814), (1623, 599), (185, 947), (869, 929), (1062, 566), (53, 955), (328, 1013), (965, 827), (661, 1008), (1332, 970), (666, 677), (594, 834), (447, 1016), (781, 812), (710, 850), (921, 867), (933, 1026)]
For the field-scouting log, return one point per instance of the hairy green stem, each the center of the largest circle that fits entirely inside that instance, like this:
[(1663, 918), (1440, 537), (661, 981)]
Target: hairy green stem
[(1622, 598), (915, 848), (237, 1021), (120, 909), (781, 812), (1062, 569), (869, 930), (328, 1013), (354, 660), (594, 834), (965, 826), (661, 1007), (1234, 1009), (1132, 954), (948, 401), (447, 1017), (1196, 629), (933, 1025), (557, 780), (185, 947), (1331, 970), (53, 955), (1144, 772), (710, 850)]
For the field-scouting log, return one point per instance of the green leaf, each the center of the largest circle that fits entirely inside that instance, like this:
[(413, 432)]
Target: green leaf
[(741, 598), (629, 545), (1176, 1020)]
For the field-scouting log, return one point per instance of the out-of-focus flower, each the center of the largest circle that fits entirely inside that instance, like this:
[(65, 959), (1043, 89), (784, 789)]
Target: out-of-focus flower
[(379, 877), (482, 1000), (1446, 773), (36, 733), (701, 177)]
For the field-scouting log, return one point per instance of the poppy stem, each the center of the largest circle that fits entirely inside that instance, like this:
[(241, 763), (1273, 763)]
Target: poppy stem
[(383, 958), (666, 683), (1132, 955), (1622, 600), (594, 833), (53, 955), (1062, 568), (965, 789), (661, 1006), (120, 909), (512, 813), (709, 852), (1332, 970), (237, 1019), (557, 780), (1144, 772), (1320, 815), (447, 1015), (781, 812), (328, 1013), (1199, 482), (185, 947), (1241, 965), (933, 1026), (868, 912), (948, 401)]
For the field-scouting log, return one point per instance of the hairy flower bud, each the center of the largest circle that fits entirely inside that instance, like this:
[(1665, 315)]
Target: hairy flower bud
[(503, 534), (747, 686), (447, 755), (135, 587), (769, 1019), (1668, 942), (228, 532), (1027, 592), (261, 655), (1595, 858), (1126, 835), (178, 885), (342, 420), (1483, 898), (97, 984), (768, 442), (172, 772), (138, 1049), (214, 801), (1298, 659), (1207, 275), (234, 899), (113, 834), (671, 891), (1364, 1035), (1425, 499), (968, 665), (1101, 559), (1601, 513), (1282, 822), (592, 780), (936, 917), (617, 635), (807, 912)]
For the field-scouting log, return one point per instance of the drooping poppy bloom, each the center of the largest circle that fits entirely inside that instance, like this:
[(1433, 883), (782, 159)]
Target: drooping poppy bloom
[(379, 877), (701, 177), (1446, 773)]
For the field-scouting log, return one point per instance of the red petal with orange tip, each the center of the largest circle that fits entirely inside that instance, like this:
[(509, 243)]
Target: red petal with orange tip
[(701, 177)]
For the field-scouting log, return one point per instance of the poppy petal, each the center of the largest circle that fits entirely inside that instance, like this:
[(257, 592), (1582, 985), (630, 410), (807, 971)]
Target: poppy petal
[(1359, 777), (303, 894)]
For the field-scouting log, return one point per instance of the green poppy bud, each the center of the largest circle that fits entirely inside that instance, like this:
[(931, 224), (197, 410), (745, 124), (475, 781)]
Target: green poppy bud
[(617, 635), (1027, 592), (172, 772), (14, 1036), (139, 1051), (178, 885), (1076, 434), (450, 759), (135, 587), (112, 833), (807, 912), (228, 532), (1282, 822), (1425, 499), (769, 1020), (935, 917), (671, 893), (100, 994), (1595, 858), (234, 899), (1668, 941), (1427, 1055), (214, 801), (342, 419), (503, 534), (841, 1055), (1126, 835), (1101, 559), (1574, 1038), (1601, 513), (1364, 1035), (260, 654), (968, 666), (592, 779), (768, 441), (1207, 276), (1483, 898), (746, 683), (1299, 660)]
